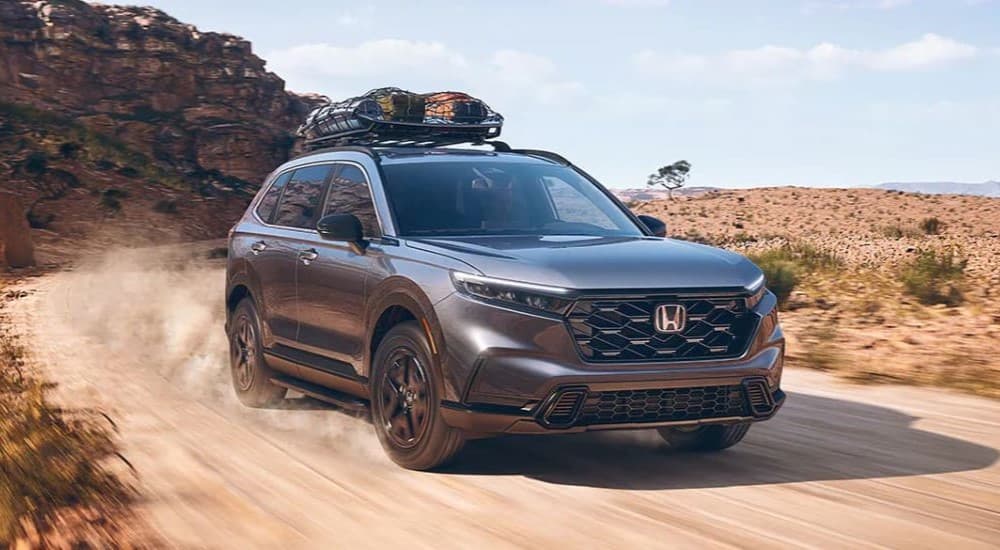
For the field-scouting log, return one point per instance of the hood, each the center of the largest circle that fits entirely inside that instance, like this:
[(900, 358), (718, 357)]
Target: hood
[(599, 263)]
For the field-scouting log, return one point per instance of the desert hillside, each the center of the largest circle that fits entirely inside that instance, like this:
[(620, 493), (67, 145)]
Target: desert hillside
[(884, 286), (125, 120)]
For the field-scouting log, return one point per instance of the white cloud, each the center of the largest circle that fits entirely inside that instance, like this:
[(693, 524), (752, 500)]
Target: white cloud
[(892, 4), (507, 75), (636, 3), (523, 73), (376, 57), (776, 64)]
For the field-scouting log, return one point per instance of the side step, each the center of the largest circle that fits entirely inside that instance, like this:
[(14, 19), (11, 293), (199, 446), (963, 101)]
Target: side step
[(342, 400)]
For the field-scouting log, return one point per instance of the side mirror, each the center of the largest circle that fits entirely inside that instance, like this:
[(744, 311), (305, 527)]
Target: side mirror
[(343, 227), (655, 225)]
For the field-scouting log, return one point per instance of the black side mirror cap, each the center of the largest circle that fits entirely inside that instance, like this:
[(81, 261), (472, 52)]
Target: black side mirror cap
[(343, 227), (655, 225)]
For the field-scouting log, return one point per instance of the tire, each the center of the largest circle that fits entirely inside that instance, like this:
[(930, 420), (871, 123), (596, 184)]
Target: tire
[(705, 438), (250, 374), (406, 392)]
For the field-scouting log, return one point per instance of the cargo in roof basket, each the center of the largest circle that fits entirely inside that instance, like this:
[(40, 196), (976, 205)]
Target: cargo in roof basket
[(391, 116)]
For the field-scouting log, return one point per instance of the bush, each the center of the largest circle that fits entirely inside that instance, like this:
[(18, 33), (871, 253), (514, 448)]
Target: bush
[(165, 206), (935, 277), (69, 149), (782, 277), (784, 266), (899, 232), (931, 226), (112, 199), (52, 465), (40, 221), (36, 163)]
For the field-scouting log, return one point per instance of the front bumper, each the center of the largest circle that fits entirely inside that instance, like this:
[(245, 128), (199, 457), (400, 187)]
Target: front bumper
[(484, 419), (505, 370)]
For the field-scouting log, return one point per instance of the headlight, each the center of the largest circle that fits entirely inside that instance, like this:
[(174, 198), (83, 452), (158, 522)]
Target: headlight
[(513, 293), (757, 292)]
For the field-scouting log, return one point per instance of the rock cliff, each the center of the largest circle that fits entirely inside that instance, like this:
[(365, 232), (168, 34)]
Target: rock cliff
[(128, 100), (197, 101)]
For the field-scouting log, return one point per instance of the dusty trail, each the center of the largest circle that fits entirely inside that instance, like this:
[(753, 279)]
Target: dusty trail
[(841, 466)]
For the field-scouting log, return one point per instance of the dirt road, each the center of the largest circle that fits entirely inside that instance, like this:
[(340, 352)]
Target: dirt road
[(841, 466)]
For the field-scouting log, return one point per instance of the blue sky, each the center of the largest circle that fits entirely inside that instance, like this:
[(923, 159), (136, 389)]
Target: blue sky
[(751, 92)]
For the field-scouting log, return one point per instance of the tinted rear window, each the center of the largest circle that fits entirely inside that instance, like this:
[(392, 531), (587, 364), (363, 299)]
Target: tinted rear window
[(265, 210), (300, 202)]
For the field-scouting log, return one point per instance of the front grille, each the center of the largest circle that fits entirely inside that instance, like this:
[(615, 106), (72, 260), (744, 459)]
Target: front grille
[(622, 330), (663, 405)]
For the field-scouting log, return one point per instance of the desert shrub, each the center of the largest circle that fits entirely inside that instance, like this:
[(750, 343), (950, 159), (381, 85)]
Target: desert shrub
[(806, 256), (53, 464), (782, 277), (899, 232), (165, 206), (931, 226), (820, 349), (40, 221), (128, 172), (36, 163), (111, 199), (69, 149), (935, 277), (785, 265)]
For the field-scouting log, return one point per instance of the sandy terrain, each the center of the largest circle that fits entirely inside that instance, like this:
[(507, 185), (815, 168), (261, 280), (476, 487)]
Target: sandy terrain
[(856, 317), (841, 466)]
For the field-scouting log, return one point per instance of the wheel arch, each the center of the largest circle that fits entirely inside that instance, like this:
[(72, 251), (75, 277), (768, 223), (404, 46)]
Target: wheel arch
[(395, 301)]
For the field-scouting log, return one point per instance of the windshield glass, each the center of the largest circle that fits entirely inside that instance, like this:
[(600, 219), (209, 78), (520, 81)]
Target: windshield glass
[(483, 197)]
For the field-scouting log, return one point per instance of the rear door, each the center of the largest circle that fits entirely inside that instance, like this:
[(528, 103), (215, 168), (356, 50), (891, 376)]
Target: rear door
[(272, 261), (291, 227), (331, 278)]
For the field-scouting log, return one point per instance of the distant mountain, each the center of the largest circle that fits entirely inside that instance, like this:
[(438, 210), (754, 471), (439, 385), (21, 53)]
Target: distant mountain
[(985, 189)]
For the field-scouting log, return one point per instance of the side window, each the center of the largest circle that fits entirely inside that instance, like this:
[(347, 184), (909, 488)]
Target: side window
[(265, 209), (299, 204), (349, 194), (572, 206)]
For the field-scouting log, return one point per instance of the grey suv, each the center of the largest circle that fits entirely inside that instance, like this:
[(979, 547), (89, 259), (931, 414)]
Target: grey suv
[(461, 293)]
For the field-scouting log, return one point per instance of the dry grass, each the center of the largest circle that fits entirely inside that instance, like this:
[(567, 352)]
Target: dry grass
[(57, 484), (876, 285)]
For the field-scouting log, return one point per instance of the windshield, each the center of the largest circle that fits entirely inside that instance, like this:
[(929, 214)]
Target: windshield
[(485, 197)]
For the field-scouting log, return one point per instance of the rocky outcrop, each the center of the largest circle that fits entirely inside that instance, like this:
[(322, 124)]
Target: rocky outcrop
[(193, 102), (16, 249)]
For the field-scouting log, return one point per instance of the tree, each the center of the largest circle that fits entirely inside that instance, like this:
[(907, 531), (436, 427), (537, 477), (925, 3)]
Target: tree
[(671, 176)]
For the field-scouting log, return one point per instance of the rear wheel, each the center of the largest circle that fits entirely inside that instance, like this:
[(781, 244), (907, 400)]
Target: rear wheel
[(704, 438), (406, 398), (251, 376)]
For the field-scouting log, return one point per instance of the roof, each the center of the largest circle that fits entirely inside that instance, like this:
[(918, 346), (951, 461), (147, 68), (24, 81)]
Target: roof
[(400, 155)]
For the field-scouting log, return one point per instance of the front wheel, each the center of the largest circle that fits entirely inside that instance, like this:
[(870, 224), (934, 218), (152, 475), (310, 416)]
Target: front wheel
[(704, 438), (406, 398)]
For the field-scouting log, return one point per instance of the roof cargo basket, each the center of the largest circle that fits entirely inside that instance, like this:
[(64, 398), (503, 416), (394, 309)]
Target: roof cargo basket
[(395, 117)]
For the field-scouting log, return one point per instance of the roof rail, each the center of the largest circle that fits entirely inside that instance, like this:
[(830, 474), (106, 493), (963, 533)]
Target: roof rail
[(335, 148), (543, 154)]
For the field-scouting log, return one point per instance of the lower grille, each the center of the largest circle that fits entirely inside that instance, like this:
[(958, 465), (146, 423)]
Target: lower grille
[(663, 405)]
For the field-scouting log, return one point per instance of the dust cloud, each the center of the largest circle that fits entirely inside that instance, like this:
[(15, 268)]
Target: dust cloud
[(156, 317)]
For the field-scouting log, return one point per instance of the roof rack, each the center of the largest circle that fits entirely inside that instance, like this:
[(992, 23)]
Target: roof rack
[(391, 117)]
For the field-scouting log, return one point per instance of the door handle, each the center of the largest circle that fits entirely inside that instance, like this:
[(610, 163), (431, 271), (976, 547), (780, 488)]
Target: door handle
[(308, 255), (258, 247)]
